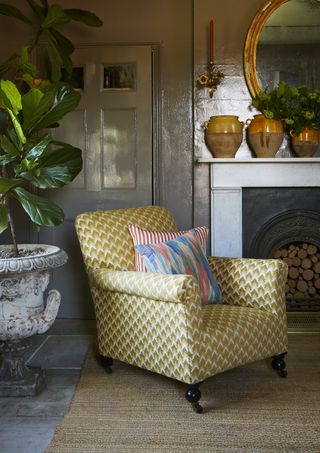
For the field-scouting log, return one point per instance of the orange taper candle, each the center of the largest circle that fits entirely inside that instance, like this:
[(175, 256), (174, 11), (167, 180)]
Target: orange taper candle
[(211, 41)]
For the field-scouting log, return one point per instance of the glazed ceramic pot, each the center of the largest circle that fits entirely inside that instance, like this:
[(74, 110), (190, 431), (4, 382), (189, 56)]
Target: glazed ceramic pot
[(306, 143), (265, 135), (223, 134)]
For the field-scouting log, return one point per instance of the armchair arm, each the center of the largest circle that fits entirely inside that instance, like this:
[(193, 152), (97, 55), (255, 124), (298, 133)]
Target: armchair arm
[(257, 283), (162, 287)]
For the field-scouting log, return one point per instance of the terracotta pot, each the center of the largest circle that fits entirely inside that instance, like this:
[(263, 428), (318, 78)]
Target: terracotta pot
[(306, 143), (223, 135), (265, 135)]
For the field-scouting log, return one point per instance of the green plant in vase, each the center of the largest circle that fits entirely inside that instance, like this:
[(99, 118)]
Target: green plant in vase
[(302, 121), (274, 103)]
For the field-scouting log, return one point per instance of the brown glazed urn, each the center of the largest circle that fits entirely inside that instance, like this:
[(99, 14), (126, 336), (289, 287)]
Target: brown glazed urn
[(223, 135), (306, 143), (265, 135)]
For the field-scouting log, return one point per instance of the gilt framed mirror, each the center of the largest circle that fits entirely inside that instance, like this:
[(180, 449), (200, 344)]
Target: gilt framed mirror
[(283, 44)]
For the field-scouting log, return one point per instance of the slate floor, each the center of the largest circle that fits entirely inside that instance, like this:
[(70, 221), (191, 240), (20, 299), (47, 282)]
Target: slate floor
[(27, 423)]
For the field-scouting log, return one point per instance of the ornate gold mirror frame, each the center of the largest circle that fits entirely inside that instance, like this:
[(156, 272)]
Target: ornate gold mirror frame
[(252, 40), (250, 47)]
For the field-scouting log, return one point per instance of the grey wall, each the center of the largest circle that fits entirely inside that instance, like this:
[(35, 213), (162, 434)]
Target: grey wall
[(232, 19)]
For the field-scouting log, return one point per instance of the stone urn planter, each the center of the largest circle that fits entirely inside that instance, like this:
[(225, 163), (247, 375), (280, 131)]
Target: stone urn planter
[(25, 310)]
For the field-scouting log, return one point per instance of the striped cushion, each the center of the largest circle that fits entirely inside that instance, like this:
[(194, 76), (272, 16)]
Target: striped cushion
[(182, 255), (142, 237)]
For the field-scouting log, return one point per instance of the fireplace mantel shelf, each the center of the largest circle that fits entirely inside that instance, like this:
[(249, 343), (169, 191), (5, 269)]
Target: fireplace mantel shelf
[(229, 177), (272, 160)]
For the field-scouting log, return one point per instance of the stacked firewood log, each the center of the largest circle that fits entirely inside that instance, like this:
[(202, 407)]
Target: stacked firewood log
[(304, 270)]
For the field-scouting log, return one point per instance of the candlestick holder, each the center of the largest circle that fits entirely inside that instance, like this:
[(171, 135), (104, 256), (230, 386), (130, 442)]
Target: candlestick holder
[(210, 79)]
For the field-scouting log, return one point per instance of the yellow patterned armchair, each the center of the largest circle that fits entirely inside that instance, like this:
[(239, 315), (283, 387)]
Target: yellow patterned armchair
[(158, 322)]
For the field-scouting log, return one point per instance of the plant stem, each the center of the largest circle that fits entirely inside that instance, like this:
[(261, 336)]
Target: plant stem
[(12, 229), (10, 219)]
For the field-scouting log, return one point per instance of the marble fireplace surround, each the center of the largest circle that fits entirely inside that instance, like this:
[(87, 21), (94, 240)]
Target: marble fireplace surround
[(227, 179)]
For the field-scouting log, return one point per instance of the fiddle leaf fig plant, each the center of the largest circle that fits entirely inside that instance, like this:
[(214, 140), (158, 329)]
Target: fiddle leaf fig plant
[(31, 103), (32, 160), (46, 23)]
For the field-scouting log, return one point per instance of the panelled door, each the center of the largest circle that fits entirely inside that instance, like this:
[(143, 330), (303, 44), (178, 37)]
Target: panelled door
[(113, 127)]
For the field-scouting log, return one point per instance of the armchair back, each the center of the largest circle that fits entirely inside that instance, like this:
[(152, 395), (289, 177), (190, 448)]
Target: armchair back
[(104, 237)]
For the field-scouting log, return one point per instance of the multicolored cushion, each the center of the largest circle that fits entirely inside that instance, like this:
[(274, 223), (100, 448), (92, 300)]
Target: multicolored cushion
[(143, 237), (182, 255)]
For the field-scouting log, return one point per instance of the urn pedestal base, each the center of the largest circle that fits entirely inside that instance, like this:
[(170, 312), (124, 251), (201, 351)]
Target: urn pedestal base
[(16, 378)]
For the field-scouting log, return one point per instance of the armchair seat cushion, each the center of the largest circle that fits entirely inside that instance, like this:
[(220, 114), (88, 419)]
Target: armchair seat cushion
[(235, 335)]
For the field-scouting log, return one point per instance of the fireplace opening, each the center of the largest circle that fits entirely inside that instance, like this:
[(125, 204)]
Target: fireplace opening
[(284, 223)]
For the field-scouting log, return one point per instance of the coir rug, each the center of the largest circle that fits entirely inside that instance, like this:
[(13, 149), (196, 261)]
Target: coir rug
[(248, 409)]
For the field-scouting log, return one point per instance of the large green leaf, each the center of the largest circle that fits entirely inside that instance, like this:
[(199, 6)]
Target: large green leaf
[(54, 71), (8, 147), (41, 211), (6, 159), (10, 101), (13, 117), (30, 105), (55, 16), (3, 217), (58, 100), (7, 184), (49, 178), (56, 167), (39, 12), (12, 11), (65, 156), (38, 148), (64, 43), (58, 56), (13, 95), (86, 17), (24, 63)]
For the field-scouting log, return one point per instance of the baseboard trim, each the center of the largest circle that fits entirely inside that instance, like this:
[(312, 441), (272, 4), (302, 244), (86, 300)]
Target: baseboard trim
[(305, 323)]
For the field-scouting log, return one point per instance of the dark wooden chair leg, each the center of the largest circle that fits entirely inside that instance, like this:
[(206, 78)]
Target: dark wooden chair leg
[(193, 395), (106, 363), (279, 364)]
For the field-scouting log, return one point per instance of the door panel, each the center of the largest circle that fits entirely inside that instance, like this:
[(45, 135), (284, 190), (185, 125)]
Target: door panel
[(113, 127), (119, 149)]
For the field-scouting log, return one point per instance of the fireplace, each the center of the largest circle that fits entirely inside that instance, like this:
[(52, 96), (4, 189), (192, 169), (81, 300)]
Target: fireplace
[(291, 189), (284, 223)]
